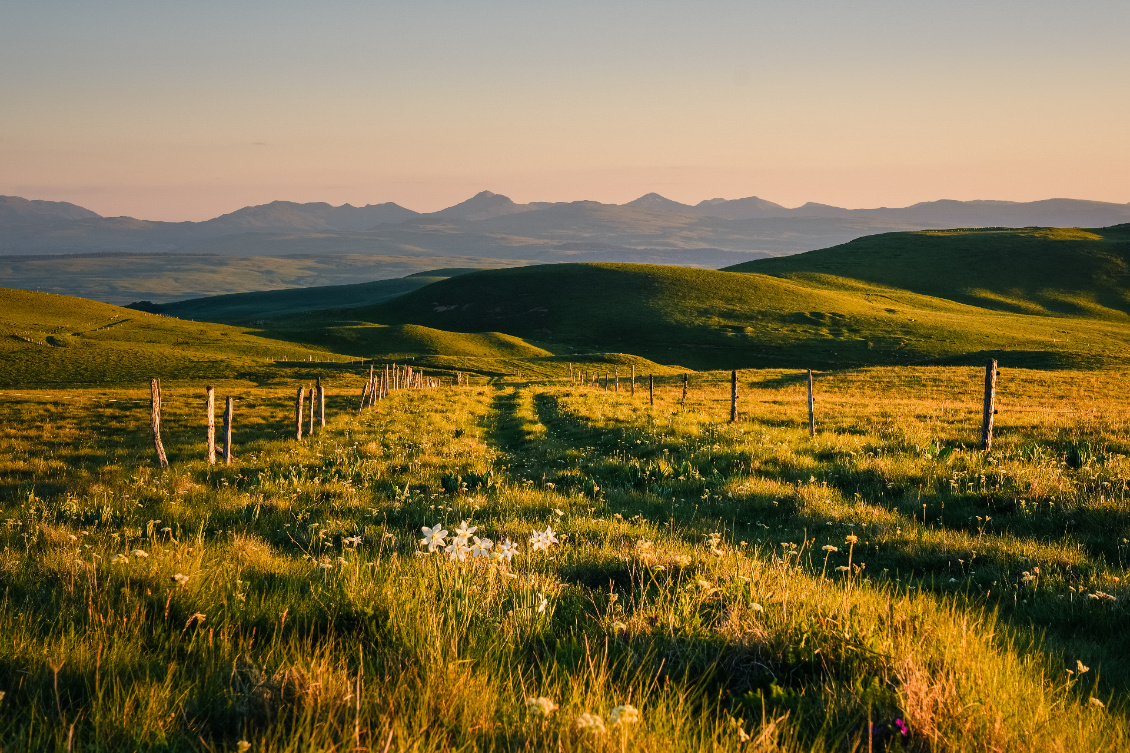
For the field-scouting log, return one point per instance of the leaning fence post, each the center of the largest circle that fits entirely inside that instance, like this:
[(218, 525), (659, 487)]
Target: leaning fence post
[(364, 394), (298, 411), (155, 422), (990, 405), (210, 411), (811, 408), (733, 396), (228, 411), (321, 403)]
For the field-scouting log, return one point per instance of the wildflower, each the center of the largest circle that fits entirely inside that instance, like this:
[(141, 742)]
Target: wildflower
[(843, 568), (619, 627), (72, 537), (852, 539), (756, 607), (543, 539), (587, 721), (119, 559), (1080, 667), (353, 541), (465, 530), (325, 566), (506, 551), (433, 537), (1096, 703), (902, 728), (540, 706), (458, 549), (829, 548), (243, 746), (703, 584), (481, 547), (180, 578), (542, 603), (558, 513), (626, 714)]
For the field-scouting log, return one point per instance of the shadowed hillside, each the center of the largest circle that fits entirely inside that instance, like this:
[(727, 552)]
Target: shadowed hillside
[(710, 319)]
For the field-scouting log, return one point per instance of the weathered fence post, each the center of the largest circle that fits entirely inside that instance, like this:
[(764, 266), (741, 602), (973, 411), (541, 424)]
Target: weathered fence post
[(651, 388), (298, 411), (616, 376), (633, 380), (155, 422), (811, 408), (571, 373), (990, 405), (364, 394), (210, 411), (312, 401), (733, 396), (321, 403), (686, 380), (229, 410)]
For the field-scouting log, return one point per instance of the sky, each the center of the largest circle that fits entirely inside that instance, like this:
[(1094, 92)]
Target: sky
[(185, 110)]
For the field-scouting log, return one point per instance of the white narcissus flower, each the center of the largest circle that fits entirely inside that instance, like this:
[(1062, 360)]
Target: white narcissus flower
[(433, 537), (481, 547), (543, 539), (458, 549), (465, 529), (626, 714), (506, 551)]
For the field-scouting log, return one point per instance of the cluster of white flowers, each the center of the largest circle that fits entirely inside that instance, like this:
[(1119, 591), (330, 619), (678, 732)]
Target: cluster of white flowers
[(542, 707), (465, 544)]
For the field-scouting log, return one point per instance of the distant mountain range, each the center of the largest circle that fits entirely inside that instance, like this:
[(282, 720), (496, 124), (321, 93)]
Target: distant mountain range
[(652, 228)]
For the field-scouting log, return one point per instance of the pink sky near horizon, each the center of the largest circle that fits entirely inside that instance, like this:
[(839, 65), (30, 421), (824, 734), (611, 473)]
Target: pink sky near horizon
[(172, 113)]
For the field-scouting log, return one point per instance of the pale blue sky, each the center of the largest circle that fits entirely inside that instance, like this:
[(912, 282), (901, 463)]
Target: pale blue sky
[(185, 110)]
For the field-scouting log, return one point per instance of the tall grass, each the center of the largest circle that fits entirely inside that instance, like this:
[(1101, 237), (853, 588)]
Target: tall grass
[(690, 580)]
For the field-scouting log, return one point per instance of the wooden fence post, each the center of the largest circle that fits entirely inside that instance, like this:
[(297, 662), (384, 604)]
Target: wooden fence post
[(321, 403), (364, 394), (811, 408), (210, 411), (633, 380), (990, 405), (733, 396), (155, 422), (686, 380), (651, 388), (229, 410), (298, 411), (616, 376), (571, 373), (312, 401)]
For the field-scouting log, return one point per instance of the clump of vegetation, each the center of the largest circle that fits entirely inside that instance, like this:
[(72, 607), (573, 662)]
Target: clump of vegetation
[(542, 565)]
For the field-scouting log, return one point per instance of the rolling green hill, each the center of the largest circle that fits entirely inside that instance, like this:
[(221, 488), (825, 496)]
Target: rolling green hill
[(715, 319), (54, 339), (1055, 271)]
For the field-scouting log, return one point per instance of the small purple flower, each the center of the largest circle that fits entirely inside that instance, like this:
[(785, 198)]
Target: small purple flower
[(902, 728)]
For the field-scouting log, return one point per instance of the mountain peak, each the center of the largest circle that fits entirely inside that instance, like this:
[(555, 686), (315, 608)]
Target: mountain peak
[(482, 206), (655, 201)]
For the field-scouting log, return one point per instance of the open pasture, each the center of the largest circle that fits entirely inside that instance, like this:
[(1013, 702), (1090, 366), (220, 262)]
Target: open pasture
[(884, 586)]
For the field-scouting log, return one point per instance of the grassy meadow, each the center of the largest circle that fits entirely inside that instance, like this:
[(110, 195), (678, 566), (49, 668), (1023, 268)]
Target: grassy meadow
[(707, 586)]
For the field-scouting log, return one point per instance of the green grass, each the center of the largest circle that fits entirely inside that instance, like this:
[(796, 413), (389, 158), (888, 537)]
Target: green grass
[(689, 581), (706, 319), (52, 339), (1052, 271)]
